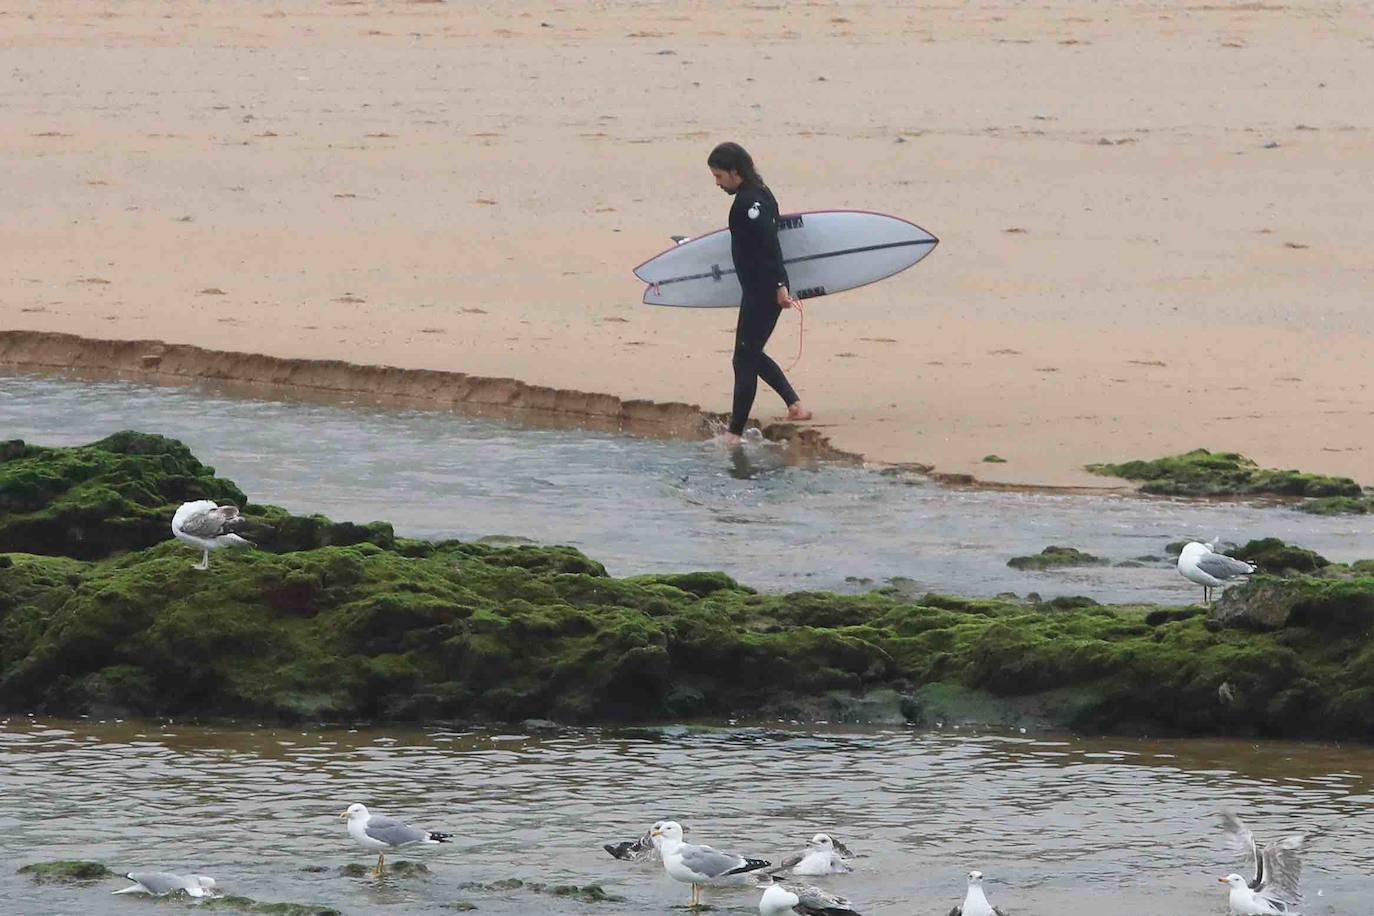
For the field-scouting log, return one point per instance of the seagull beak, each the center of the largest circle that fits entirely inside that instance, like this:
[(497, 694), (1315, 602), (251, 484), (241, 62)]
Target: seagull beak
[(655, 833), (343, 814), (1221, 881)]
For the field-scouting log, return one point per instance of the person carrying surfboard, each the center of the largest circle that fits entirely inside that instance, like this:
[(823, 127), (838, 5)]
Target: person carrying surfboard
[(763, 278)]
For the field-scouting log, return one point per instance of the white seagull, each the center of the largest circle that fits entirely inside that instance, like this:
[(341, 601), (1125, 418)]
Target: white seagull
[(785, 899), (380, 833), (1278, 866), (1199, 563), (643, 849), (205, 525), (823, 855), (702, 865), (162, 883), (975, 901)]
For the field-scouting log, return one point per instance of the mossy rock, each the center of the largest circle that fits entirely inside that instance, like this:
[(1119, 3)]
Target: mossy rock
[(391, 629), (1204, 473), (1273, 556), (95, 500), (591, 893), (1338, 607), (1337, 505), (238, 904), (67, 871), (1057, 558), (994, 459)]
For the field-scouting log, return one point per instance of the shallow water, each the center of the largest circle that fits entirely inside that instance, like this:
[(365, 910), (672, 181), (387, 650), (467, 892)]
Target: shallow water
[(772, 525), (1061, 826)]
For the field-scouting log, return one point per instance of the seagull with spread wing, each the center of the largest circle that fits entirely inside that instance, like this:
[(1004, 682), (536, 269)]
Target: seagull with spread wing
[(642, 849), (823, 855), (1278, 866), (786, 899), (209, 527)]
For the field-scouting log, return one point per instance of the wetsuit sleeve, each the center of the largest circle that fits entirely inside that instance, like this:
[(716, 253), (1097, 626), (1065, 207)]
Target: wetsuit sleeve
[(770, 247)]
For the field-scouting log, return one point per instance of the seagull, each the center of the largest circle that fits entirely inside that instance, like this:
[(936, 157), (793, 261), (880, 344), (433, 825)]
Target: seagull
[(975, 901), (375, 831), (162, 883), (643, 849), (784, 899), (205, 525), (702, 865), (1199, 563), (823, 855), (1278, 866)]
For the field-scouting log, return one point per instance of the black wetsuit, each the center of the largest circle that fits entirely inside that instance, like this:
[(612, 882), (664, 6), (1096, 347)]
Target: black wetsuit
[(758, 264)]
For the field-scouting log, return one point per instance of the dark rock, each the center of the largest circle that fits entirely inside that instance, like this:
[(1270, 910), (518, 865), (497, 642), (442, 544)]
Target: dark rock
[(66, 871), (1273, 556), (1344, 607)]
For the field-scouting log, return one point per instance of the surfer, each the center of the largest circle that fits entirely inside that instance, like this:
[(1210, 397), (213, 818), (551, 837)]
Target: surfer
[(758, 264)]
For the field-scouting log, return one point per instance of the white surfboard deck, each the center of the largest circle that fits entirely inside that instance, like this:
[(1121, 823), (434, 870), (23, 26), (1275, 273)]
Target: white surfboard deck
[(825, 252)]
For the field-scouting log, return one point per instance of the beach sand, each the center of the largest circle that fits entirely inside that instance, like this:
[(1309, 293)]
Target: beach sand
[(1154, 217)]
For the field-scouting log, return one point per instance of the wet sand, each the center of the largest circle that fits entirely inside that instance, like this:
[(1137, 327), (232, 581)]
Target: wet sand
[(1153, 217)]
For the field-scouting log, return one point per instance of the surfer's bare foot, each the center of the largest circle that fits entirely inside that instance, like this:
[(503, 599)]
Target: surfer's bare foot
[(797, 412), (729, 439)]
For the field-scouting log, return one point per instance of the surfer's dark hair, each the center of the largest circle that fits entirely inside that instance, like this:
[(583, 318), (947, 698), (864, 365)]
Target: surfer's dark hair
[(731, 157)]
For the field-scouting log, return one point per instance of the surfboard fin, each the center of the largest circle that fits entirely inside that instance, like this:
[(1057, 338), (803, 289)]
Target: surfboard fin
[(679, 239)]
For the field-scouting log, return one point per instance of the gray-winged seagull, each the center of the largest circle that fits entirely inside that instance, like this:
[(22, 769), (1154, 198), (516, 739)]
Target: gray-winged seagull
[(205, 525)]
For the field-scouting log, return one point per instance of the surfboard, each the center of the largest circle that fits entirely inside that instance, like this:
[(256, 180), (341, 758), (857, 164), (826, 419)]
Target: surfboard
[(825, 252)]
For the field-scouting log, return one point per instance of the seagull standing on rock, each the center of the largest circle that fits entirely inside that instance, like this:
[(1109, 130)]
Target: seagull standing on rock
[(209, 527), (380, 833), (1199, 563)]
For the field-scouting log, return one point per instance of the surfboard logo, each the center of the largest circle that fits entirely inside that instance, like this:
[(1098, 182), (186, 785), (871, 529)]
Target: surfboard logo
[(754, 210)]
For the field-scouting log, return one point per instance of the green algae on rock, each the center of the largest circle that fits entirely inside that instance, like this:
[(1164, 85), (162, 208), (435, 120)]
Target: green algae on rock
[(1057, 557), (590, 893), (93, 500), (392, 629), (67, 871), (1273, 556), (1204, 473), (1337, 505)]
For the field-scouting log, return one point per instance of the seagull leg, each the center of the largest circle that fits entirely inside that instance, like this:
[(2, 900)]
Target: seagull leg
[(204, 563), (696, 896), (381, 864)]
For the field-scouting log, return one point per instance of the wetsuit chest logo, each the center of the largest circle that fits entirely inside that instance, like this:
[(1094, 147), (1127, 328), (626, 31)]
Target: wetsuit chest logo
[(754, 210)]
